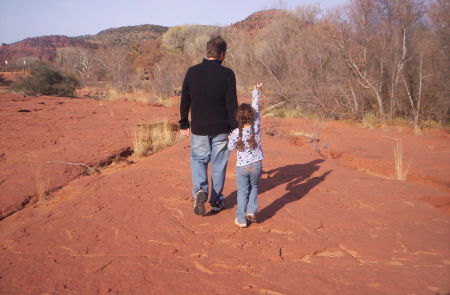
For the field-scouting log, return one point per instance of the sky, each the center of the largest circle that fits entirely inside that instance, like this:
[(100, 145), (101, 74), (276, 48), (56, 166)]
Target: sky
[(20, 19)]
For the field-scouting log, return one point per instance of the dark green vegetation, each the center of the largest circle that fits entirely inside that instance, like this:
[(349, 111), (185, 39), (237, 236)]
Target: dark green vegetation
[(45, 81)]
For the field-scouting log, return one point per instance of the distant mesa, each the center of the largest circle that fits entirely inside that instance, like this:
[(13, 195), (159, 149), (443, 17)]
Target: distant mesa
[(51, 41), (256, 21), (45, 47), (135, 29), (124, 35)]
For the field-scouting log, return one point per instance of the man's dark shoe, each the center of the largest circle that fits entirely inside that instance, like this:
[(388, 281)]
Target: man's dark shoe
[(199, 203), (217, 206)]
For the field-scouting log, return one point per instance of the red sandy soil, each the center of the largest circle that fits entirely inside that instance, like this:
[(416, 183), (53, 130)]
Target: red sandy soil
[(34, 131), (426, 157), (323, 227)]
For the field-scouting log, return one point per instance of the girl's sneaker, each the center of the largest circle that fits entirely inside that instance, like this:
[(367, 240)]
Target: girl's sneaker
[(241, 225), (251, 218)]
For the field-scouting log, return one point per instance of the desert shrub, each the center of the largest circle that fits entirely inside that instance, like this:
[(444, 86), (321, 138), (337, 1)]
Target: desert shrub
[(66, 87), (45, 81), (3, 80)]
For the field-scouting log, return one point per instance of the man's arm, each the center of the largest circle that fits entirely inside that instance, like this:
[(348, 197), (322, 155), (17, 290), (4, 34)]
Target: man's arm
[(231, 100), (185, 105)]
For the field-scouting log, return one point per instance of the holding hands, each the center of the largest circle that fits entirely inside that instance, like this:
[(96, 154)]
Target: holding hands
[(185, 132)]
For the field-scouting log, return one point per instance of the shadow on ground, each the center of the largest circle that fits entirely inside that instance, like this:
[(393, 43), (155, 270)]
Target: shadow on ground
[(294, 176)]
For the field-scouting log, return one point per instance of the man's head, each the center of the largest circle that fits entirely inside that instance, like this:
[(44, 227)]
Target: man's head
[(216, 48)]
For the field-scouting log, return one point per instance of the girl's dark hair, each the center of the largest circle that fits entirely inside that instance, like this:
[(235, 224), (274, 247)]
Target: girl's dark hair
[(246, 115)]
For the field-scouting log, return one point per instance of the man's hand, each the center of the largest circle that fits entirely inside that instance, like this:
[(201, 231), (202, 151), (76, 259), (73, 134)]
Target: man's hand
[(185, 132), (258, 86)]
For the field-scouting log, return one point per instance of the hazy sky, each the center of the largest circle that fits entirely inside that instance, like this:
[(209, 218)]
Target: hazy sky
[(20, 19)]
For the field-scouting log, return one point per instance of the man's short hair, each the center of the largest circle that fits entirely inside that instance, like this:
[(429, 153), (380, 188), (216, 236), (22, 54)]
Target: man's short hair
[(215, 47)]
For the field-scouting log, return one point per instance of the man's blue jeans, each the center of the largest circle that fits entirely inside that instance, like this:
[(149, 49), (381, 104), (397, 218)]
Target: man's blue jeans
[(247, 178), (205, 149)]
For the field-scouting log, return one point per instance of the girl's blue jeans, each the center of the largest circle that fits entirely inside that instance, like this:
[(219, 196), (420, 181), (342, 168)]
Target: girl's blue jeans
[(247, 178), (205, 149)]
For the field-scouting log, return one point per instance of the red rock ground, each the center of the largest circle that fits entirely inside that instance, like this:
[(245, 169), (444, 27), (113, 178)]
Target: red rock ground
[(426, 157), (34, 131), (324, 227)]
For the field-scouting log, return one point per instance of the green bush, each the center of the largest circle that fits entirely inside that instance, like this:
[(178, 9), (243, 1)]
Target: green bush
[(45, 81)]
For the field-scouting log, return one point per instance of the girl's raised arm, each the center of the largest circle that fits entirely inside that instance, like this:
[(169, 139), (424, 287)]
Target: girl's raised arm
[(256, 93)]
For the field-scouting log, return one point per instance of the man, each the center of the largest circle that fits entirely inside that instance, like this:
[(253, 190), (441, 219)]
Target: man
[(209, 92)]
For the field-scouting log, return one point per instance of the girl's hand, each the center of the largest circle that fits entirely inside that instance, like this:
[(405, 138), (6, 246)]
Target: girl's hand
[(258, 86)]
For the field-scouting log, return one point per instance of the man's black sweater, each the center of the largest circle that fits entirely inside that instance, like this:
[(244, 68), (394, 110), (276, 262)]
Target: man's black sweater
[(209, 91)]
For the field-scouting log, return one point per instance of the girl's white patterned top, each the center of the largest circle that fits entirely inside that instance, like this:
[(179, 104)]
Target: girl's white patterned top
[(248, 155)]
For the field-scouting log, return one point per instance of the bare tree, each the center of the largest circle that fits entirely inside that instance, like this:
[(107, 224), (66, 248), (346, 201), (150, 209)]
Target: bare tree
[(168, 74), (115, 60), (354, 41), (85, 63), (415, 106)]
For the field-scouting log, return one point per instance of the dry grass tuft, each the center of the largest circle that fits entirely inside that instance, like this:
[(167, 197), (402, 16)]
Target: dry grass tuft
[(370, 120), (433, 124), (161, 136), (166, 101), (285, 112), (315, 134), (141, 140), (42, 184), (417, 131), (401, 171), (318, 125), (152, 137)]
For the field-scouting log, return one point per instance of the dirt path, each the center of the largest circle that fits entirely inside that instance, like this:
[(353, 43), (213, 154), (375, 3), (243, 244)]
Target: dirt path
[(323, 229)]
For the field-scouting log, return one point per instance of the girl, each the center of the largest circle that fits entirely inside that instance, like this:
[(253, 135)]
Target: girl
[(246, 139)]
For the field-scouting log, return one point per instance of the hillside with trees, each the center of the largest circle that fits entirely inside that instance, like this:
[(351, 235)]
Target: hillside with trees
[(43, 47), (368, 60), (126, 35), (46, 47), (256, 21)]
